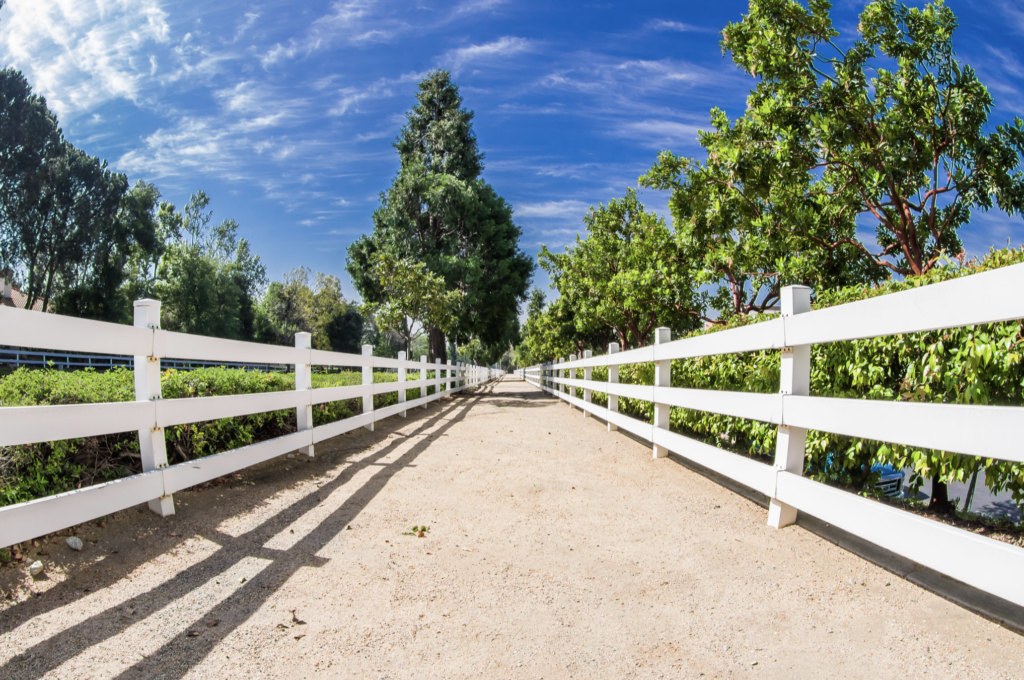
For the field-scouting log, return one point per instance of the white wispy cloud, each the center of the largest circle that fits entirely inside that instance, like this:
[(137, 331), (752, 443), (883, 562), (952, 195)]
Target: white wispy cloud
[(501, 48), (347, 21), (80, 54), (476, 6), (676, 26), (552, 209), (250, 19), (660, 134)]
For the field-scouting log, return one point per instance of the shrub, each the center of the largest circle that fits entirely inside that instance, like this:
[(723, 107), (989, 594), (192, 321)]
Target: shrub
[(971, 365), (38, 470)]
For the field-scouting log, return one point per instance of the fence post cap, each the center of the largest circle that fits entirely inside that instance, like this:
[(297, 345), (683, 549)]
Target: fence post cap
[(401, 356), (613, 347), (662, 335), (587, 353), (795, 300), (367, 350)]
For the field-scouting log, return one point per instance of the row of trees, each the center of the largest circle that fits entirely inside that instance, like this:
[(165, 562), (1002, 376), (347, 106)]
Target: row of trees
[(886, 130), (83, 242)]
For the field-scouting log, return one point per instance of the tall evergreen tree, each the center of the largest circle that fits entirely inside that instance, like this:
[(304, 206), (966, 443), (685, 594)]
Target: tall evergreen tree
[(440, 212)]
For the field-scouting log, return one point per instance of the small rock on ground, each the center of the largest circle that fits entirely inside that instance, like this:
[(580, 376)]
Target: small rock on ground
[(74, 542)]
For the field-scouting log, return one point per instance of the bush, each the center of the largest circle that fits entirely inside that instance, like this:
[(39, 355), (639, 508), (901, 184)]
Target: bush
[(38, 470), (971, 365)]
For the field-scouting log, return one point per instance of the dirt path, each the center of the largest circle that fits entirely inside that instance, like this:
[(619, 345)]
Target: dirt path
[(555, 549)]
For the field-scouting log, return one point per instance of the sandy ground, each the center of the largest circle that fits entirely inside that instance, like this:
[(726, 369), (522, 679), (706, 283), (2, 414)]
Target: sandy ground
[(555, 549)]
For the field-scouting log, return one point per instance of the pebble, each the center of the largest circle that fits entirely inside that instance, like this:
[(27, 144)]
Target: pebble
[(74, 542), (36, 568)]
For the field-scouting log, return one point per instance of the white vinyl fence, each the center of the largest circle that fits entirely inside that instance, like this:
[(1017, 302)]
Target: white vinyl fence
[(149, 414), (985, 431)]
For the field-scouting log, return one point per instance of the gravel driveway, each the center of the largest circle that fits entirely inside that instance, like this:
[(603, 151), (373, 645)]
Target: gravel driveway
[(553, 549)]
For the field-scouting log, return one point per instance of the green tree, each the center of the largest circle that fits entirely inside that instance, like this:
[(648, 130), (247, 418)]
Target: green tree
[(440, 213), (892, 129), (413, 299), (293, 306), (627, 276), (208, 279)]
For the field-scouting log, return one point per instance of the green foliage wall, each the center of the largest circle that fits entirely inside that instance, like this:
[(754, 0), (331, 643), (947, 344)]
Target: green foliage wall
[(37, 470), (972, 365)]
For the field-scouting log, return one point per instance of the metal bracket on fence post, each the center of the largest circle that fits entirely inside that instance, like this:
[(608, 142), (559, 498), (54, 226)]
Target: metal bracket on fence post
[(423, 378), (152, 445), (303, 382), (662, 378), (368, 380), (401, 379), (613, 377), (588, 373), (795, 379)]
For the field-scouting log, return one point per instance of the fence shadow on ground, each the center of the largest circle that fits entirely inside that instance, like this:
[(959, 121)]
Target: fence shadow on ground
[(178, 655)]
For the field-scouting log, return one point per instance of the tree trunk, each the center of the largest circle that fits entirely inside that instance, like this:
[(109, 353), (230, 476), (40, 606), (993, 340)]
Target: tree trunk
[(438, 349), (940, 498)]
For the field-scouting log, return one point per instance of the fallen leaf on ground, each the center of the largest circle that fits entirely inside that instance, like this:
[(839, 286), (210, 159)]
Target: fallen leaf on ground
[(300, 636), (212, 622), (193, 633), (295, 619)]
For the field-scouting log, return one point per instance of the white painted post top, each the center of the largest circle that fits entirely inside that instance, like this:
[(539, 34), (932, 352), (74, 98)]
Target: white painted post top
[(303, 340), (662, 335), (796, 300), (367, 350), (147, 313)]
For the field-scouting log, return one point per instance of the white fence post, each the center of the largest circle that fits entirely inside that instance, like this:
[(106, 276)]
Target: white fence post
[(423, 378), (662, 378), (152, 445), (437, 377), (613, 377), (587, 374), (368, 380), (448, 377), (572, 376), (304, 381), (795, 379), (401, 379)]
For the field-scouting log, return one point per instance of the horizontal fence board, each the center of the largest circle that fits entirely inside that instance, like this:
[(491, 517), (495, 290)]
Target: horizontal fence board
[(639, 355), (385, 388), (197, 409), (322, 432), (42, 516), (190, 473), (746, 471), (764, 407), (24, 328), (32, 424), (752, 338), (319, 357), (974, 299), (388, 411), (986, 564), (184, 346), (323, 395), (987, 431), (641, 392), (624, 422)]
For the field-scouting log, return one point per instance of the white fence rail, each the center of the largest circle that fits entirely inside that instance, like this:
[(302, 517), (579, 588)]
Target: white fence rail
[(150, 413), (985, 431)]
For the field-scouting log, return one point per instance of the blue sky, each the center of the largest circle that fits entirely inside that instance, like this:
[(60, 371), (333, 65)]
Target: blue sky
[(284, 112)]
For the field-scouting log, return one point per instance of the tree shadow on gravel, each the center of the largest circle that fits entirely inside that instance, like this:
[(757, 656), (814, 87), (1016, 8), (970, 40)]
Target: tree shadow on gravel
[(178, 655)]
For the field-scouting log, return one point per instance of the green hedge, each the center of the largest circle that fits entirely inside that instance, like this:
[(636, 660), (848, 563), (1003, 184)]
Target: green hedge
[(972, 365), (37, 470)]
